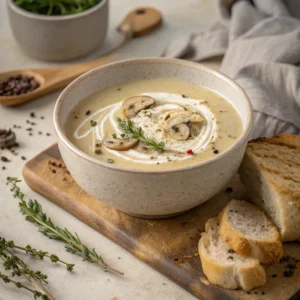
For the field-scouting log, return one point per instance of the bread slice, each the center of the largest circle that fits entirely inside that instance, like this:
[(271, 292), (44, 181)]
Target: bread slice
[(271, 173), (249, 232), (224, 267)]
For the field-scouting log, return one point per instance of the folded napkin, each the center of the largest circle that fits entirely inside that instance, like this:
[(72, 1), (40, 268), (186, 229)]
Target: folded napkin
[(260, 41)]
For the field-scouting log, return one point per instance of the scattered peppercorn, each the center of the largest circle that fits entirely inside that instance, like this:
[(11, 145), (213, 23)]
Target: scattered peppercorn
[(216, 151), (98, 151), (229, 190), (7, 138), (4, 159), (32, 115), (42, 117), (48, 134), (30, 133), (40, 132), (274, 275), (231, 251), (3, 168), (53, 171), (119, 89), (23, 157), (87, 112)]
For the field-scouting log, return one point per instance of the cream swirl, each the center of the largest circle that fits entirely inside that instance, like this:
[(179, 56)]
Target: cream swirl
[(151, 121)]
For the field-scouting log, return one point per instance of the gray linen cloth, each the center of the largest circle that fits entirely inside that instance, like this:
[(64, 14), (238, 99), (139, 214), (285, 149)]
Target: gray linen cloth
[(260, 41)]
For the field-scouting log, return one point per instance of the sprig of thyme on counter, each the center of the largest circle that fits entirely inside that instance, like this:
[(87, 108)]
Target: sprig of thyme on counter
[(36, 294), (34, 213), (128, 129), (39, 254), (16, 265)]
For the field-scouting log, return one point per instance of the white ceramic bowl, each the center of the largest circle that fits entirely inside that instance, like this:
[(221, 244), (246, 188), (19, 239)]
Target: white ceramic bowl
[(156, 193), (59, 38)]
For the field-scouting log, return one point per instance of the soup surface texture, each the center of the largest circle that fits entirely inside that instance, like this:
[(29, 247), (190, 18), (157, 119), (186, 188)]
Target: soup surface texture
[(165, 124)]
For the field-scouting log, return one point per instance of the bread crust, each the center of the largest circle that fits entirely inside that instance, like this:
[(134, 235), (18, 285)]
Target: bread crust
[(288, 196), (266, 251), (230, 276)]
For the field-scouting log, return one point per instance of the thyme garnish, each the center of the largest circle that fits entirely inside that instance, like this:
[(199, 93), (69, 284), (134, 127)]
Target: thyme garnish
[(34, 213), (93, 123), (128, 129)]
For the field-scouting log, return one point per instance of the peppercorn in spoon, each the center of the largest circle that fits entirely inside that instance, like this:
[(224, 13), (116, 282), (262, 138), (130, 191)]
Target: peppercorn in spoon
[(20, 86)]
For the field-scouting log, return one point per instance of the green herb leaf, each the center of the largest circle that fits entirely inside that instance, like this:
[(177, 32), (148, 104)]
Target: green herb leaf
[(110, 161), (56, 7), (93, 123), (34, 213), (127, 127)]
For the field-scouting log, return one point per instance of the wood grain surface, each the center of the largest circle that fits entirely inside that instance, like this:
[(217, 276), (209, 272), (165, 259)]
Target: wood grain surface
[(168, 245)]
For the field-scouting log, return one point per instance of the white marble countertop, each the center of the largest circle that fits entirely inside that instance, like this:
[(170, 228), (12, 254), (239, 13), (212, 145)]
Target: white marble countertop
[(87, 281)]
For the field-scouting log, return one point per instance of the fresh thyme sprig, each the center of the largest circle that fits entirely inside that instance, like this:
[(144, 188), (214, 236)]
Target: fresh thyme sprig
[(34, 213), (127, 127), (18, 284), (17, 267), (39, 254)]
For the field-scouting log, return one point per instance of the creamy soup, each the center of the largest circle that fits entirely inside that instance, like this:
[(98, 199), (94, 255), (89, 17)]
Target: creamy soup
[(154, 124)]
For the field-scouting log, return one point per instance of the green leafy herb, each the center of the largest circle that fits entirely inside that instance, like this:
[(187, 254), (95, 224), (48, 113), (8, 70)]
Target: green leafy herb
[(93, 123), (56, 7), (39, 254), (34, 213), (13, 263), (19, 285), (110, 161), (128, 129), (114, 135)]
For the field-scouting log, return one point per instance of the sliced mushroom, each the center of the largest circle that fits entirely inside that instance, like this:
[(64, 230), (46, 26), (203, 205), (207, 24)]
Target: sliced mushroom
[(177, 125), (133, 105), (177, 128), (193, 117), (118, 144)]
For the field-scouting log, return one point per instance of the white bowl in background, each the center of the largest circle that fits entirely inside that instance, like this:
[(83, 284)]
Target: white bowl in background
[(59, 38)]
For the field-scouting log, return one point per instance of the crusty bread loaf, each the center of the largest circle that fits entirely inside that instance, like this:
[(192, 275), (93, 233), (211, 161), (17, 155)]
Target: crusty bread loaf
[(271, 173), (249, 232), (224, 267)]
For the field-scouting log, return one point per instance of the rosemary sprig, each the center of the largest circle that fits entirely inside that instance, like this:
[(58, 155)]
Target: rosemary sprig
[(127, 127), (18, 284), (34, 213), (17, 267), (39, 254)]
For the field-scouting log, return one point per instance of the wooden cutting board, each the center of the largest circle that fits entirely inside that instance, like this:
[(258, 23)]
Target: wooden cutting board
[(168, 245)]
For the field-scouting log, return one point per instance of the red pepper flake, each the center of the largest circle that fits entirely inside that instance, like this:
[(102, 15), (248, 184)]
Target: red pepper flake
[(189, 152), (67, 171), (59, 164)]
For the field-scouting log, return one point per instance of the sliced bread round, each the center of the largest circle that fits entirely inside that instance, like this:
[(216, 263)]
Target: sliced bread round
[(224, 267), (249, 232)]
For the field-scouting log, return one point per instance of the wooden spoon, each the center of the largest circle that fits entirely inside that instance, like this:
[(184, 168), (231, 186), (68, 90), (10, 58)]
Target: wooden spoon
[(137, 23)]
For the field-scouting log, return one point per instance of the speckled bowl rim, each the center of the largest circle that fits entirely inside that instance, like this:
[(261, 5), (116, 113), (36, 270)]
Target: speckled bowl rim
[(241, 140), (31, 15)]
